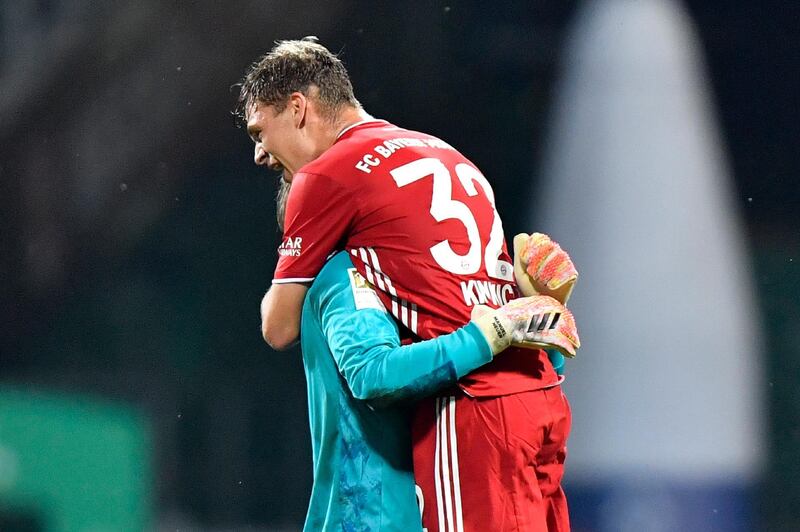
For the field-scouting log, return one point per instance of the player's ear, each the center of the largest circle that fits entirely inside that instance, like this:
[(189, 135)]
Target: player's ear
[(298, 105)]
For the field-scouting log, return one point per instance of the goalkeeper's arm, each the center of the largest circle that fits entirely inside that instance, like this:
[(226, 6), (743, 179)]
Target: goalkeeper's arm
[(377, 368)]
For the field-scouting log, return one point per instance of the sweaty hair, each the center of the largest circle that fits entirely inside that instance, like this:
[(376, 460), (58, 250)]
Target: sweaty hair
[(296, 66)]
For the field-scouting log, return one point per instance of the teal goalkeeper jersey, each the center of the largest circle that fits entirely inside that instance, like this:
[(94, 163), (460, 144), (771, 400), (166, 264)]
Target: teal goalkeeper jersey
[(361, 386)]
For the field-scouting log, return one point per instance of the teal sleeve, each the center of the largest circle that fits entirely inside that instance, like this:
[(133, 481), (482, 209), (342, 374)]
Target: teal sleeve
[(557, 360), (366, 347)]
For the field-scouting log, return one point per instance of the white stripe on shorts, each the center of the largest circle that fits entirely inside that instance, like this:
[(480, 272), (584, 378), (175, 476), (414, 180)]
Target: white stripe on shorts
[(447, 478)]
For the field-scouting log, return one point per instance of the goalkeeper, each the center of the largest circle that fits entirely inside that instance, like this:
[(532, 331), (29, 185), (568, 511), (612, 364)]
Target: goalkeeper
[(361, 382)]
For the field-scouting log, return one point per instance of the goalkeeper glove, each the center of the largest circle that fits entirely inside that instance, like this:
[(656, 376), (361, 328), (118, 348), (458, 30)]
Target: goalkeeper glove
[(542, 267), (537, 322)]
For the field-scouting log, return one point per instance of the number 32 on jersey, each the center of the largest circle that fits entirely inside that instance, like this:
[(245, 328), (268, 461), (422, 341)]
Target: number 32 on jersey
[(444, 207)]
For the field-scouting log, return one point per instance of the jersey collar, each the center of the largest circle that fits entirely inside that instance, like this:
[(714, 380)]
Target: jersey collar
[(357, 124)]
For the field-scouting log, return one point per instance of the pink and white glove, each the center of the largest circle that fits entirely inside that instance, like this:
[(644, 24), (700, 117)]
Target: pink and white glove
[(536, 322), (542, 267)]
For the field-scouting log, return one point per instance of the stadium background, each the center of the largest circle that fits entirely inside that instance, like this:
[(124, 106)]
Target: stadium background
[(138, 237)]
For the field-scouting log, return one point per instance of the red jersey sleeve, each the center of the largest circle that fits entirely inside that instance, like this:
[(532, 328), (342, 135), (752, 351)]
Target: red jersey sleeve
[(319, 213)]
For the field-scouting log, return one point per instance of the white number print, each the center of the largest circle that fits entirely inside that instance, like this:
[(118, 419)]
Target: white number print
[(495, 268), (444, 207)]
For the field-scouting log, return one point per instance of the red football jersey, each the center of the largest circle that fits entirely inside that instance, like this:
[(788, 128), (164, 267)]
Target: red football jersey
[(420, 222)]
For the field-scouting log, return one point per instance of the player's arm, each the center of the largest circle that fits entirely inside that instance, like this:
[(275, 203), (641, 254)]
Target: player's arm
[(280, 314), (312, 231), (365, 343)]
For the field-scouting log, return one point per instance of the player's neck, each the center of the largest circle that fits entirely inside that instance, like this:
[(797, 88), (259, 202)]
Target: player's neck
[(328, 132)]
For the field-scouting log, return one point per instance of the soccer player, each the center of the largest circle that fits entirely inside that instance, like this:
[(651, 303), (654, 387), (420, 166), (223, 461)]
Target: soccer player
[(419, 221), (360, 381)]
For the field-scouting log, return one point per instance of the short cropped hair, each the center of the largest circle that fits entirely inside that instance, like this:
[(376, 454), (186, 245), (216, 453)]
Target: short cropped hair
[(295, 66)]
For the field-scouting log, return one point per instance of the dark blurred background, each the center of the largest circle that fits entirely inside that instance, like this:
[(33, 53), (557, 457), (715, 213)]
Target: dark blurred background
[(138, 237)]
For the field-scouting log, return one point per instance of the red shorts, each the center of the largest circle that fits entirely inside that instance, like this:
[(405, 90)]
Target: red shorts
[(492, 463)]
